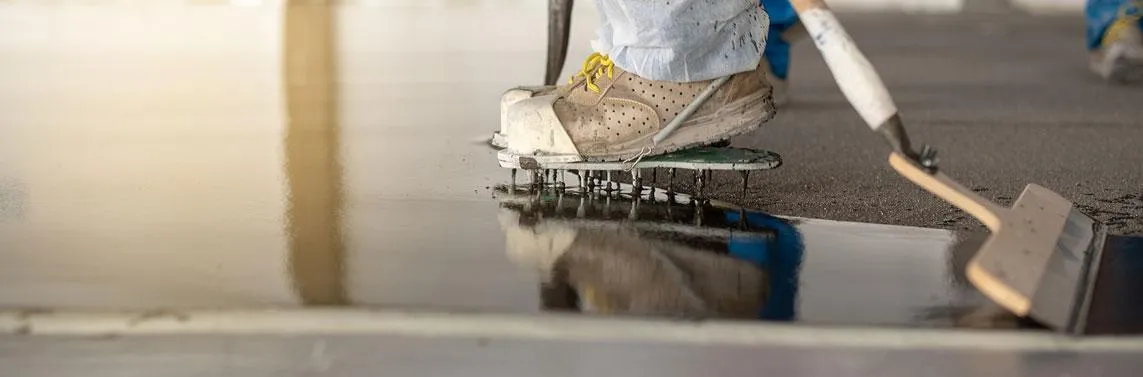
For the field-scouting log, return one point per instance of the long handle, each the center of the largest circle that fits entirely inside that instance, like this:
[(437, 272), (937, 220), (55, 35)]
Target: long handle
[(950, 191), (865, 91), (854, 74), (559, 29)]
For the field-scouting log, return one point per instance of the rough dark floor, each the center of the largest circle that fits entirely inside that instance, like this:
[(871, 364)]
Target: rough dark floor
[(1007, 101)]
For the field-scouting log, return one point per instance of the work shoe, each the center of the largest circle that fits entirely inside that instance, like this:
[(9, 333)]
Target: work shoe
[(520, 93), (608, 114), (781, 87), (1120, 55), (510, 97)]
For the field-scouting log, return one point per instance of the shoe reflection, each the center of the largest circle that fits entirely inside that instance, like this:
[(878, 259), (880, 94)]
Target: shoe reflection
[(625, 254)]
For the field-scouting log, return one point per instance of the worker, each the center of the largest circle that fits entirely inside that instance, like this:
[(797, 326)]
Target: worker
[(633, 97), (1113, 39)]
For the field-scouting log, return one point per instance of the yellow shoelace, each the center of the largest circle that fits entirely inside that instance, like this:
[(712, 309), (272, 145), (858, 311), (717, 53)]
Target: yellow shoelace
[(593, 68), (1129, 16)]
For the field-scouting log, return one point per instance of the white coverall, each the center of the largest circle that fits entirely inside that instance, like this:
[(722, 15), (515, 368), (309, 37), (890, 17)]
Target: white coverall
[(682, 40)]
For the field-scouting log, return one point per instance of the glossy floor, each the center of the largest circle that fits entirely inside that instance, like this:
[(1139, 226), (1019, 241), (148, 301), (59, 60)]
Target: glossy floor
[(214, 155), (224, 156)]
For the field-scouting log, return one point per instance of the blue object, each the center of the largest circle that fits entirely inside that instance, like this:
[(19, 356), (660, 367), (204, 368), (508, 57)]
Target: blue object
[(1100, 14), (777, 52), (780, 255)]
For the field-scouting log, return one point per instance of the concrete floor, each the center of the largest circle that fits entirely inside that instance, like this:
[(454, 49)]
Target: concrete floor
[(364, 355), (142, 165), (1007, 101)]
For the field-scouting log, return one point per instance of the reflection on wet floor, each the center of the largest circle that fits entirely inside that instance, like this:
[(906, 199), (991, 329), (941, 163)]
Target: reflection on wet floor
[(660, 265), (313, 170), (636, 252), (214, 156)]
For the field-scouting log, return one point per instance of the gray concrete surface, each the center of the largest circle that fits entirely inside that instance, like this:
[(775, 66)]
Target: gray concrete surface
[(347, 355), (1007, 101)]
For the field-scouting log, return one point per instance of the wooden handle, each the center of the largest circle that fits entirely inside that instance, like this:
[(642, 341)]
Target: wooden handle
[(945, 188)]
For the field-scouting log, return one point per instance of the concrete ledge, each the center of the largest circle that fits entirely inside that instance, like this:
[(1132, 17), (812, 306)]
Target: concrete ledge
[(537, 327)]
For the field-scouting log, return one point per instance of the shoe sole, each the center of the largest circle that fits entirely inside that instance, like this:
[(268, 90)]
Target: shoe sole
[(1126, 70), (737, 118), (1119, 66)]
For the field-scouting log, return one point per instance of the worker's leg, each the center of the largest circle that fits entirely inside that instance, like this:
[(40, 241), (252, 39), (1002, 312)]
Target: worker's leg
[(777, 53), (1099, 15), (1113, 37), (653, 60)]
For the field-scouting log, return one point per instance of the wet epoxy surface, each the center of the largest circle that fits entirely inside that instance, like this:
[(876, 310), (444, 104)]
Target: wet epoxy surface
[(252, 157), (628, 254)]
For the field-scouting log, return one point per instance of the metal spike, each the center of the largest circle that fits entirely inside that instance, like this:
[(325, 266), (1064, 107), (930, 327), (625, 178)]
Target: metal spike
[(745, 182), (700, 177), (633, 214), (582, 210), (513, 186), (654, 181), (590, 183), (742, 218), (636, 183), (671, 182)]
